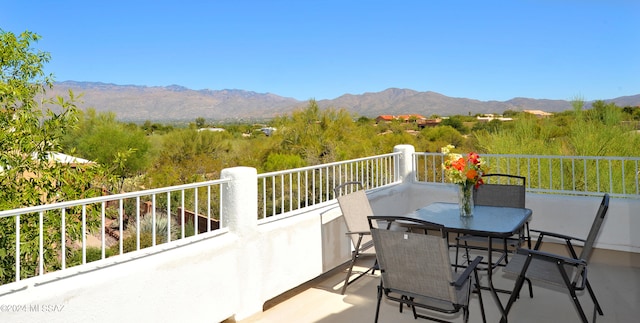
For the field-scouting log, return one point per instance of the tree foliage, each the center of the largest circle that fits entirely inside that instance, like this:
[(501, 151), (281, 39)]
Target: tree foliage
[(598, 131), (160, 155), (121, 148), (200, 122), (29, 176), (456, 123), (316, 136), (187, 156)]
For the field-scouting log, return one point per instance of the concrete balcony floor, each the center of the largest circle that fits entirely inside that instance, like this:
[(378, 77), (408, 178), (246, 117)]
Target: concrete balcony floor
[(615, 276)]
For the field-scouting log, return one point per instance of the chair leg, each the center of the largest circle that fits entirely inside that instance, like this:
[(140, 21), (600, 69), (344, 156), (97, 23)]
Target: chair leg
[(346, 279), (514, 295), (457, 253), (594, 299), (576, 302), (405, 300), (530, 287), (572, 292), (353, 261), (413, 307), (518, 286), (402, 298), (506, 252), (477, 284), (379, 300), (466, 252)]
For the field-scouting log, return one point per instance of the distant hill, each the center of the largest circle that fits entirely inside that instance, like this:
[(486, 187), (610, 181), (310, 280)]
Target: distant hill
[(176, 103)]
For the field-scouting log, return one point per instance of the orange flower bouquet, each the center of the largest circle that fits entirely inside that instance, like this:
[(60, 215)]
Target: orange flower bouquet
[(466, 171)]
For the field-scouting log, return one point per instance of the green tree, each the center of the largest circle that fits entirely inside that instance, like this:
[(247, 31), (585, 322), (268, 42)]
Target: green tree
[(362, 120), (122, 149), (432, 139), (31, 130), (276, 162), (155, 128), (320, 136), (631, 113), (608, 114), (188, 156), (577, 104), (200, 122), (510, 113), (601, 133), (456, 123), (492, 126)]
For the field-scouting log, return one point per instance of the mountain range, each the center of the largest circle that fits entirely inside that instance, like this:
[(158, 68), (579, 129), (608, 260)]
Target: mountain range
[(136, 103)]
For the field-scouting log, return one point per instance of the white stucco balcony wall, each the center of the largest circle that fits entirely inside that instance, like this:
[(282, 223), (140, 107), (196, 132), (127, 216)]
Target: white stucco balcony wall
[(233, 271)]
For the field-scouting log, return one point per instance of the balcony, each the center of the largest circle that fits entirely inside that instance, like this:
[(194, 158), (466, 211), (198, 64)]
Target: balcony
[(320, 300), (296, 247)]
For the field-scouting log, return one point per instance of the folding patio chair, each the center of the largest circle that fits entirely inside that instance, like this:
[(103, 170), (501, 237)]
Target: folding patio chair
[(499, 190), (416, 270), (569, 272), (355, 208)]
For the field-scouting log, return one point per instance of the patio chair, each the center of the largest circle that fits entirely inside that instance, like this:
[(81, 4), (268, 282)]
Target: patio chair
[(416, 270), (566, 272), (499, 190), (355, 209)]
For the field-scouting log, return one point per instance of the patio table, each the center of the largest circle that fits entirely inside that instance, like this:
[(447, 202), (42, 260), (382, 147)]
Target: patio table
[(487, 221)]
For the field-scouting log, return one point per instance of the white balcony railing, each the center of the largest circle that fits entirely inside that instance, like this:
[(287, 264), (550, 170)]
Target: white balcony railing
[(290, 190), (171, 213), (235, 269), (195, 207), (570, 175)]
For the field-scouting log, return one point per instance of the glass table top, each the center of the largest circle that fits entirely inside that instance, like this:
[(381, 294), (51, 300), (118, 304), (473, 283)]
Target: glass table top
[(491, 221)]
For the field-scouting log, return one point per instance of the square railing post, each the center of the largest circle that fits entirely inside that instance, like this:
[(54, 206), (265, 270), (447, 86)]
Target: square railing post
[(239, 213), (239, 200), (405, 163)]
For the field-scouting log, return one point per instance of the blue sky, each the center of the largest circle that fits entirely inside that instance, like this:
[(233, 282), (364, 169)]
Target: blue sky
[(321, 49)]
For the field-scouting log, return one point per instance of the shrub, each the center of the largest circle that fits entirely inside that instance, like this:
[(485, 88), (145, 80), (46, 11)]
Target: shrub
[(74, 257)]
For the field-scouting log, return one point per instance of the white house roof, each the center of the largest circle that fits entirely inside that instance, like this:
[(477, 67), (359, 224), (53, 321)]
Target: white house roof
[(211, 129), (67, 159), (61, 158)]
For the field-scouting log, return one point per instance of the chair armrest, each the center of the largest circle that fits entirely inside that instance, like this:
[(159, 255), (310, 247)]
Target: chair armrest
[(359, 232), (556, 235), (546, 256), (549, 257), (465, 274)]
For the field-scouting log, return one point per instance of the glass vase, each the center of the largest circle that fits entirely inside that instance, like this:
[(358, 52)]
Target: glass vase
[(465, 200)]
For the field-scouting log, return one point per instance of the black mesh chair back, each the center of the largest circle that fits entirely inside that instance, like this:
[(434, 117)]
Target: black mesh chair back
[(416, 268), (355, 208), (595, 229), (501, 190), (498, 190), (558, 270)]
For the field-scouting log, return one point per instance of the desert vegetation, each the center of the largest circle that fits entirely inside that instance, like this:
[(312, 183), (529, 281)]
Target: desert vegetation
[(130, 157), (312, 136)]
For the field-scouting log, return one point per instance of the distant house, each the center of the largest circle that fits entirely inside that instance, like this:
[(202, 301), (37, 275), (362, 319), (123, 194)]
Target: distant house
[(423, 123), (67, 159), (55, 157), (409, 117), (268, 130), (402, 117), (539, 113), (211, 129), (384, 118), (488, 117)]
